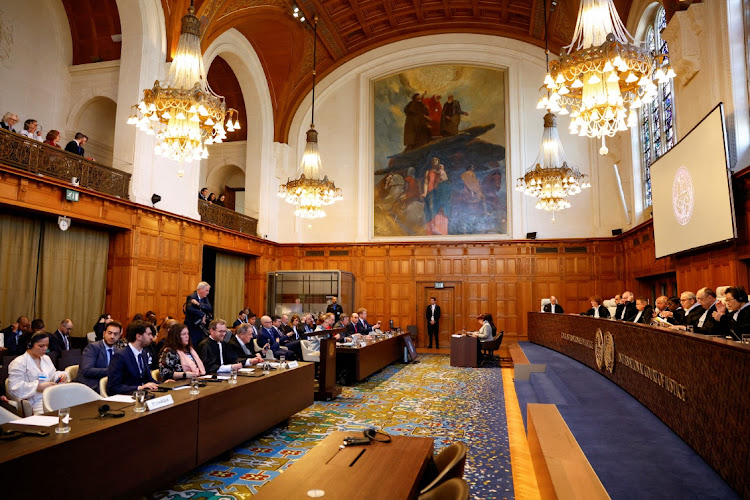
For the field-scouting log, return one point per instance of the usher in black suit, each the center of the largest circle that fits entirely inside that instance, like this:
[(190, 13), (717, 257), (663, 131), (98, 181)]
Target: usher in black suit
[(433, 330)]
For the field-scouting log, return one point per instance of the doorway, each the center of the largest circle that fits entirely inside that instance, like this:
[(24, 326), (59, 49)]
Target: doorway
[(444, 298)]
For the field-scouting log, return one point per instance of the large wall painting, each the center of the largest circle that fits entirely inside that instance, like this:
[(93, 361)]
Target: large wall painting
[(439, 152)]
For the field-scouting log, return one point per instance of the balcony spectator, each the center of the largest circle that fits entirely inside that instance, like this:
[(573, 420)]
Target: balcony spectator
[(9, 120), (211, 198), (53, 138), (32, 130), (203, 194), (221, 201), (76, 145)]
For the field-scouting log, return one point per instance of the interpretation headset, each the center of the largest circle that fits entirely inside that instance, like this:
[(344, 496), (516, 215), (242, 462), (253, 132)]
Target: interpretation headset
[(372, 435), (104, 411)]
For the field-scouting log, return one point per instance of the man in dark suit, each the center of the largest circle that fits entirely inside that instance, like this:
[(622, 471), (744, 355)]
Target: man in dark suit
[(241, 318), (285, 326), (9, 120), (626, 310), (13, 336), (553, 307), (432, 314), (96, 357), (707, 325), (128, 370), (271, 339), (76, 145), (290, 339), (734, 316), (674, 313), (335, 308), (364, 326), (693, 310), (644, 312), (198, 312), (60, 340), (242, 346), (203, 194), (216, 354)]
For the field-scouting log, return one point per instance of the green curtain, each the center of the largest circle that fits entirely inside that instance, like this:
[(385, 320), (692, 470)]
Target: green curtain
[(229, 289), (19, 254)]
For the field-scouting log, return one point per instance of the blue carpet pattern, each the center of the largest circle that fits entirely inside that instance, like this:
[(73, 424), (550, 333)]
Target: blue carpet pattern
[(635, 455), (429, 399)]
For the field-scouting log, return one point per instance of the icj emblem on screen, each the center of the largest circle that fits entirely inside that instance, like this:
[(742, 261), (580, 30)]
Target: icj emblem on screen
[(683, 196)]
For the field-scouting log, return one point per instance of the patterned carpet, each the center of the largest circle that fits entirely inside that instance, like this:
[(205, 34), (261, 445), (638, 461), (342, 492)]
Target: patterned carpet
[(429, 398)]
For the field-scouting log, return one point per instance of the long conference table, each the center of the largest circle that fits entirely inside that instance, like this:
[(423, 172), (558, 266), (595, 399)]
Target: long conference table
[(361, 362), (697, 385), (134, 455)]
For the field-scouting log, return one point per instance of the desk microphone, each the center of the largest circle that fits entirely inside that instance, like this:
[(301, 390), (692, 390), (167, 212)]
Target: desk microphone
[(105, 411)]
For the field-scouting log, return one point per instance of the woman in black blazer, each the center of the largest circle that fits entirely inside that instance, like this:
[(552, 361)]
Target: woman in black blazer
[(597, 310)]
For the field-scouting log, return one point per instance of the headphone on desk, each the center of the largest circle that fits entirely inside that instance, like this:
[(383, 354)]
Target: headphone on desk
[(372, 435), (105, 411)]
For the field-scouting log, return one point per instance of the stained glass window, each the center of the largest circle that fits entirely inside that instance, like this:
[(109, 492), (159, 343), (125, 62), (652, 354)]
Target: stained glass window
[(657, 118)]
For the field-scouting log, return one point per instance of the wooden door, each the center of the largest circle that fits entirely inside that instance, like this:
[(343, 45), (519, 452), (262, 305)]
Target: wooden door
[(445, 298)]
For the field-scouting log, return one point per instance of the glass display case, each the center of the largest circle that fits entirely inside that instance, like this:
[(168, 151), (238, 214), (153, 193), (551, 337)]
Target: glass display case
[(295, 292)]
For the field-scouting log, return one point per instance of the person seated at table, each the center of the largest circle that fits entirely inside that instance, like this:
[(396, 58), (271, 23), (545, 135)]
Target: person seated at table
[(645, 313), (285, 326), (178, 359), (150, 351), (290, 340), (354, 327), (485, 329), (96, 357), (270, 338), (734, 316), (365, 326), (553, 307), (597, 309), (707, 325), (308, 324), (32, 372), (243, 347), (343, 322), (216, 354), (128, 371), (296, 324), (693, 310), (241, 318), (626, 309), (674, 313)]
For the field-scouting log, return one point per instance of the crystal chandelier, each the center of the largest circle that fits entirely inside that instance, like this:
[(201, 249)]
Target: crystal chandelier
[(551, 179), (309, 193), (603, 77), (183, 112)]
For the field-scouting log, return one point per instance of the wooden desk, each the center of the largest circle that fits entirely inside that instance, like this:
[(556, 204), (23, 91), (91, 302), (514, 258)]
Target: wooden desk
[(361, 362), (387, 471), (166, 442), (464, 351)]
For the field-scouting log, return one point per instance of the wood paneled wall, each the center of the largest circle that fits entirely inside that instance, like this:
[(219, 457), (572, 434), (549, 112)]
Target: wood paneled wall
[(155, 261)]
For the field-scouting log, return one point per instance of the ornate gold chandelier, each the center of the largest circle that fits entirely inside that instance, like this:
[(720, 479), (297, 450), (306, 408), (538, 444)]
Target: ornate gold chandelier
[(309, 193), (604, 77), (183, 112), (551, 179)]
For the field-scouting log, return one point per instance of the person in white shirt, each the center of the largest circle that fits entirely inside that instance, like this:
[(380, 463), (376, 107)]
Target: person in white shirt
[(32, 372), (32, 130), (553, 307)]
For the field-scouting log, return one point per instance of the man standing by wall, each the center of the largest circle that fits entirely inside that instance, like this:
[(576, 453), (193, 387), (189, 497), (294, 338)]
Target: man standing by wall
[(198, 312), (433, 322)]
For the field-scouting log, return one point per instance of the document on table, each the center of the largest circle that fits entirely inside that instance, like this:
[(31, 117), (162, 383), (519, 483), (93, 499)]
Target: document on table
[(179, 388), (120, 398), (37, 420)]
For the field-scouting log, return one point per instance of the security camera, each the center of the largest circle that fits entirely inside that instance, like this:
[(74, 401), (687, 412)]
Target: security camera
[(63, 223)]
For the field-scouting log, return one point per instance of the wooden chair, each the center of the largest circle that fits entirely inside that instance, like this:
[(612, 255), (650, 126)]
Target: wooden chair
[(452, 489), (449, 464)]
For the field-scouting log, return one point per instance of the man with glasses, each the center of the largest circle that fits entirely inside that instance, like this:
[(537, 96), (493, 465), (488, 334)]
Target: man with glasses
[(734, 316), (693, 310), (707, 325), (60, 340), (9, 120), (216, 354)]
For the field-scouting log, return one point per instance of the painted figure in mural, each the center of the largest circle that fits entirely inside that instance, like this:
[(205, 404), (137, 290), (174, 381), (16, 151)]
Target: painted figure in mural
[(416, 129), (435, 109), (451, 119), (472, 188), (437, 198)]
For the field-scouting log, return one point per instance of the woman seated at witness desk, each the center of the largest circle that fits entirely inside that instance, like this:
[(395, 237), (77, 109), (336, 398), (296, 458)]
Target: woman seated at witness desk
[(485, 331), (178, 360), (32, 372), (597, 309)]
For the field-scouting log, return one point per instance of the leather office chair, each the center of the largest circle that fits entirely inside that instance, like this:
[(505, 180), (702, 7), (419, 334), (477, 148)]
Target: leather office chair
[(67, 395), (489, 347), (72, 372), (449, 463), (544, 303), (103, 387), (611, 307), (7, 416), (91, 337), (309, 354), (23, 404), (452, 489)]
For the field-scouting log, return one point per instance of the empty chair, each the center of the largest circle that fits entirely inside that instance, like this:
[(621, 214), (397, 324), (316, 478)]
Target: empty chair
[(309, 354), (7, 416), (72, 372), (449, 464), (91, 337), (103, 387), (67, 395), (452, 489)]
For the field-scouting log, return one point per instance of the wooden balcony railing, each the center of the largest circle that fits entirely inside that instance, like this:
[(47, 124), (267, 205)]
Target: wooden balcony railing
[(223, 217), (21, 152)]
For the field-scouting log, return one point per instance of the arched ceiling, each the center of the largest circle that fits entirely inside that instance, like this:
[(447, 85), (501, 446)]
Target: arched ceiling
[(347, 28)]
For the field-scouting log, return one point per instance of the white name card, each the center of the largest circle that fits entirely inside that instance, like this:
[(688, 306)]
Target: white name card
[(363, 344), (156, 403), (292, 364)]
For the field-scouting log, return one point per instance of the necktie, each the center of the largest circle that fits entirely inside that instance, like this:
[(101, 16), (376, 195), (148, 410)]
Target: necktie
[(110, 352), (141, 366), (65, 339)]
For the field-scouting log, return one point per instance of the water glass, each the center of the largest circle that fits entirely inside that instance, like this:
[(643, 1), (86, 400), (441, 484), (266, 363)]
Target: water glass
[(140, 401), (194, 386), (63, 417), (233, 376), (266, 367), (282, 362)]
